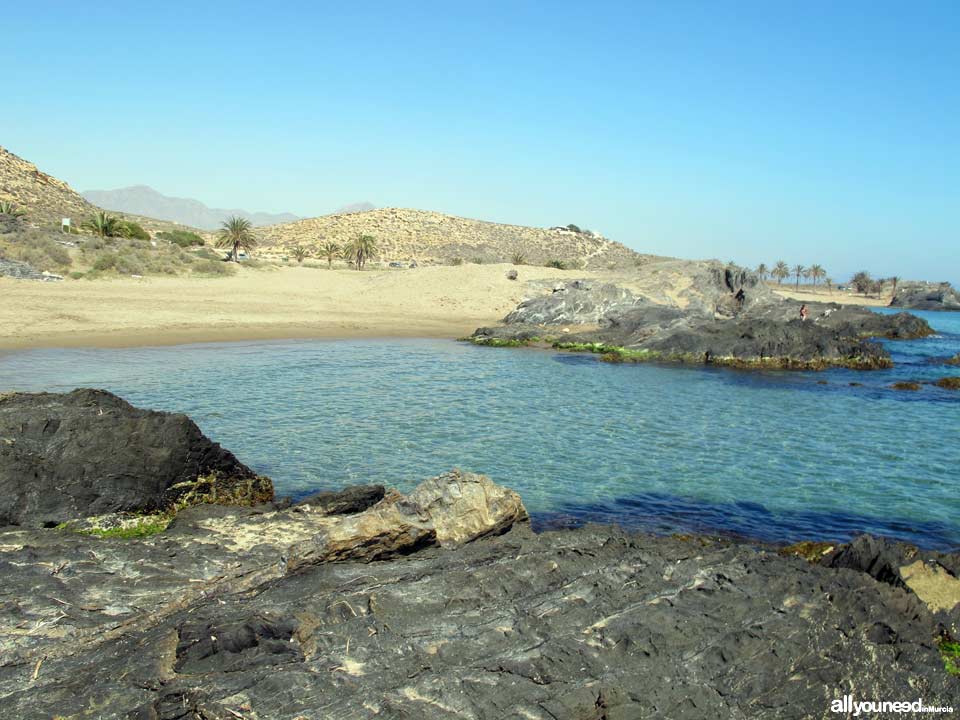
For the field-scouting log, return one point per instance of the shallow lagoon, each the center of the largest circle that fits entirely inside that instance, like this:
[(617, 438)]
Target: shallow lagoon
[(773, 455)]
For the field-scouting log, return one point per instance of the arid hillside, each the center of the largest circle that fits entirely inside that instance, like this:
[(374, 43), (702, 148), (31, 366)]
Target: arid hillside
[(45, 200), (434, 238)]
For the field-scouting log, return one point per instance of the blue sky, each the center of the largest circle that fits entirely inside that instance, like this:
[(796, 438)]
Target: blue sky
[(814, 132)]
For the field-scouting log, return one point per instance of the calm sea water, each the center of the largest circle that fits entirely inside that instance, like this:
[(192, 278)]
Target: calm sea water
[(773, 456)]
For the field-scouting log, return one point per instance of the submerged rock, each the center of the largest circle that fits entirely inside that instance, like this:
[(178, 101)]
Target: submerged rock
[(88, 452), (948, 383)]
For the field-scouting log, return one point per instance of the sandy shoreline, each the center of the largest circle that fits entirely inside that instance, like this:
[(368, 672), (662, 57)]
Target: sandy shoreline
[(286, 303)]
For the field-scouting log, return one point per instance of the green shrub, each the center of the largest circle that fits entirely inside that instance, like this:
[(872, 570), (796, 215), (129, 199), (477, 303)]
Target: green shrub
[(133, 230), (39, 251), (77, 275), (105, 261), (214, 267), (558, 264), (206, 253), (519, 259), (456, 261), (477, 261), (183, 238)]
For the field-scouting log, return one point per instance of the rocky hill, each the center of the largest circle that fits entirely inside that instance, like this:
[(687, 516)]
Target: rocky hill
[(430, 237), (45, 200), (145, 201), (43, 197)]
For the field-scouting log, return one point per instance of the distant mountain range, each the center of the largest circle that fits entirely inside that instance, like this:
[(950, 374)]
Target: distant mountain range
[(143, 200)]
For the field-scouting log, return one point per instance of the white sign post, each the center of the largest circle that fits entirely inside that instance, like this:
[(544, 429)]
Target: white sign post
[(65, 225)]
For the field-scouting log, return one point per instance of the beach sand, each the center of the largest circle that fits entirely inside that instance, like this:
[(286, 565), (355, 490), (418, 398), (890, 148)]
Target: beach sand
[(808, 294), (287, 302)]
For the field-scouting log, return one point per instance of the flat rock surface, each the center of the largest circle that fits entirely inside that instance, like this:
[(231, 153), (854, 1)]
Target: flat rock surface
[(579, 625)]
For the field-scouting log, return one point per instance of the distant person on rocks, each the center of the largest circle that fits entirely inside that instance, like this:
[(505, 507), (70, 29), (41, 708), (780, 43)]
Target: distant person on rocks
[(804, 312), (740, 297)]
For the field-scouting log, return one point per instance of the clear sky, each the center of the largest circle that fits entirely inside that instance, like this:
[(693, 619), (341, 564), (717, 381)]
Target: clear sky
[(813, 132)]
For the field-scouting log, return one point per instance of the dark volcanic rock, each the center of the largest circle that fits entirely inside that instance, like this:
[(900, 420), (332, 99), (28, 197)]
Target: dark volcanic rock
[(579, 625), (926, 296), (354, 499), (89, 452), (759, 331), (575, 303)]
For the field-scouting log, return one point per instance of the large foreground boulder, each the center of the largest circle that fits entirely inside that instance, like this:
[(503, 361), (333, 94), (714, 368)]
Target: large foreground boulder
[(88, 452)]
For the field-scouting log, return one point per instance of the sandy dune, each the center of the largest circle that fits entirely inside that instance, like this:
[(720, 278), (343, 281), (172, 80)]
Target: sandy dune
[(291, 302)]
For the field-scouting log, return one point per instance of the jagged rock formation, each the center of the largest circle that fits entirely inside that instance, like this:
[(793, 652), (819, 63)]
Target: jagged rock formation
[(45, 198), (89, 452), (419, 235), (145, 201), (710, 322), (926, 296)]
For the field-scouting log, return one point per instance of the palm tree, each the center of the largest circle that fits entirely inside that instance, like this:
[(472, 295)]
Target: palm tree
[(360, 250), (299, 253), (8, 208), (817, 272), (895, 280), (237, 234), (104, 225), (829, 283), (330, 250), (762, 271), (798, 269), (862, 281), (780, 271)]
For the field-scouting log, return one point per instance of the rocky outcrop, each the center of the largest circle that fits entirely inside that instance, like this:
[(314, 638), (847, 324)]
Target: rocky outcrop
[(579, 625), (44, 198), (734, 321), (23, 271), (290, 611), (926, 296), (89, 452), (448, 510)]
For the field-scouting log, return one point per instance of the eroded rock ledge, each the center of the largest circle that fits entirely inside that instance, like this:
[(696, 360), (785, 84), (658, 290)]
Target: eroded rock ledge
[(442, 603)]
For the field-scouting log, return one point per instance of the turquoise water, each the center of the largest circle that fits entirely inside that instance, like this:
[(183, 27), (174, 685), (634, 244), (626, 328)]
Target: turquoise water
[(774, 456)]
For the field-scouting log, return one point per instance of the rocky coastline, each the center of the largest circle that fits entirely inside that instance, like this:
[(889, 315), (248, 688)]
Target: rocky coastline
[(442, 603), (732, 319), (926, 296)]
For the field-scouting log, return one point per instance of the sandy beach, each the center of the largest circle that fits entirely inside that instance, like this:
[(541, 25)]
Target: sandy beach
[(287, 302), (809, 294)]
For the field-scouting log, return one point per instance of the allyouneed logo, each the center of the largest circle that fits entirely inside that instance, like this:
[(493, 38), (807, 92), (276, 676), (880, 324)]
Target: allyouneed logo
[(848, 705)]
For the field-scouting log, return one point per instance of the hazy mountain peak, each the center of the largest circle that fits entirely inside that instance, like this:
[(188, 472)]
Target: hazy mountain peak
[(144, 200)]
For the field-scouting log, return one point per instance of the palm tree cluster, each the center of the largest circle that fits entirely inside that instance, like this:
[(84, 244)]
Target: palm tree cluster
[(237, 234), (863, 283), (361, 249), (781, 271)]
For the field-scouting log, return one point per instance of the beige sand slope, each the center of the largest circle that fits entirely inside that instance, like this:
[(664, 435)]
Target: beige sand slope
[(284, 303)]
